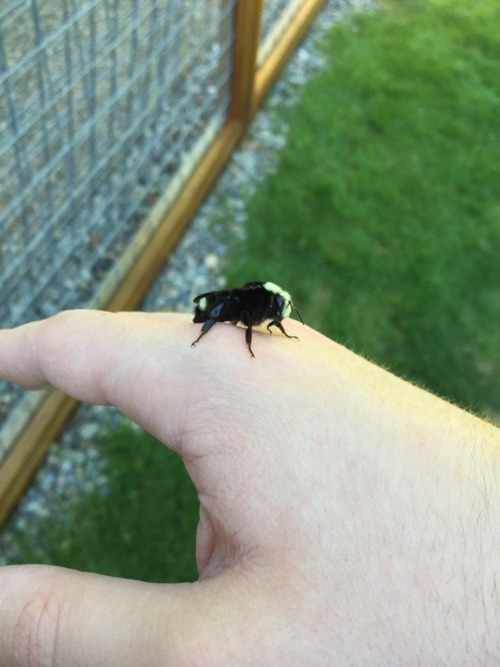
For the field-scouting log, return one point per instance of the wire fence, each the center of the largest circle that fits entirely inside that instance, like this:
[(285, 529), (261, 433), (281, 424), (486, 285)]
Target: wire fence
[(105, 109), (102, 103)]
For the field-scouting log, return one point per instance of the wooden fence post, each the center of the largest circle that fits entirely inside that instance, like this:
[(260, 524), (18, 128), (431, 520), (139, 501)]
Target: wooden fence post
[(246, 47), (284, 48)]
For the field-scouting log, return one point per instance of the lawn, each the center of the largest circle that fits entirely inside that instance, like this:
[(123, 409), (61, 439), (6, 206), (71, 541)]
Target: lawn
[(382, 219), (143, 528)]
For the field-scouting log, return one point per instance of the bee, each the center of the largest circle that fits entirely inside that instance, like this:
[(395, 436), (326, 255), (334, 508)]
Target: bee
[(251, 305)]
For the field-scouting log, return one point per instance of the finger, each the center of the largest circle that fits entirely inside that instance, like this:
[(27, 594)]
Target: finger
[(141, 363), (52, 616), (60, 618), (104, 358), (74, 348), (207, 405)]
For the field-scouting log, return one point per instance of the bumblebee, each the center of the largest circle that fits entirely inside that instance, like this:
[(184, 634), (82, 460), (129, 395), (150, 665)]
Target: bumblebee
[(249, 305)]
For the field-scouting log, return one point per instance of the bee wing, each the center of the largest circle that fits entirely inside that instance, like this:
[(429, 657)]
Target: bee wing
[(223, 306), (212, 296)]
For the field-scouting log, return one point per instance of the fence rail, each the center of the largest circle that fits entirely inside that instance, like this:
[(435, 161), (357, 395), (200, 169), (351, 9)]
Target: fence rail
[(116, 116)]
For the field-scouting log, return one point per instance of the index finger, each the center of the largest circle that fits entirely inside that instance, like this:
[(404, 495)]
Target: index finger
[(100, 357), (145, 366)]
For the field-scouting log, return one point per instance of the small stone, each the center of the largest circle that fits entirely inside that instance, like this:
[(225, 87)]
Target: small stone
[(212, 262), (89, 430)]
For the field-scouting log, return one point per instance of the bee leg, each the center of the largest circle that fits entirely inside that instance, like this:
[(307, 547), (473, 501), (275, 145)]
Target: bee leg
[(206, 327), (248, 338), (275, 323)]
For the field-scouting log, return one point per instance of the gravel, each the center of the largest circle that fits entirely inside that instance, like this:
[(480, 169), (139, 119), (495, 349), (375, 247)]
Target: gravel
[(74, 466)]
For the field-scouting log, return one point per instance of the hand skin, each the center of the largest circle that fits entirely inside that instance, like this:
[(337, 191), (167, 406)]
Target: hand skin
[(347, 517)]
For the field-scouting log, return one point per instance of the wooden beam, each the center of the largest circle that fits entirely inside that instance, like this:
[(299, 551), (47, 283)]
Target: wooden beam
[(27, 453), (245, 50), (148, 265), (282, 51)]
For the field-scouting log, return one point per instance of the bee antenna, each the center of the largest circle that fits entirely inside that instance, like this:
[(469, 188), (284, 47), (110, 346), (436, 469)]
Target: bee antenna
[(295, 309)]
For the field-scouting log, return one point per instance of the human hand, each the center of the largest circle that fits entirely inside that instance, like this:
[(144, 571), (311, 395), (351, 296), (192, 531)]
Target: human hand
[(346, 516)]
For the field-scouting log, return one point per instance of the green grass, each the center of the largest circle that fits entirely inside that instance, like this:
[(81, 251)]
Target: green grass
[(383, 220), (383, 217), (144, 528)]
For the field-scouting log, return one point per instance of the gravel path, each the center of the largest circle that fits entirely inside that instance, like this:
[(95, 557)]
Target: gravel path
[(74, 466)]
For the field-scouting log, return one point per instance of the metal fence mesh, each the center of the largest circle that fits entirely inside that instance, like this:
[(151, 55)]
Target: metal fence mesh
[(101, 105), (105, 109)]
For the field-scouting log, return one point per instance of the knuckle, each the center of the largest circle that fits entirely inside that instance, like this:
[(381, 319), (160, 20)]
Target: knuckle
[(36, 629)]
